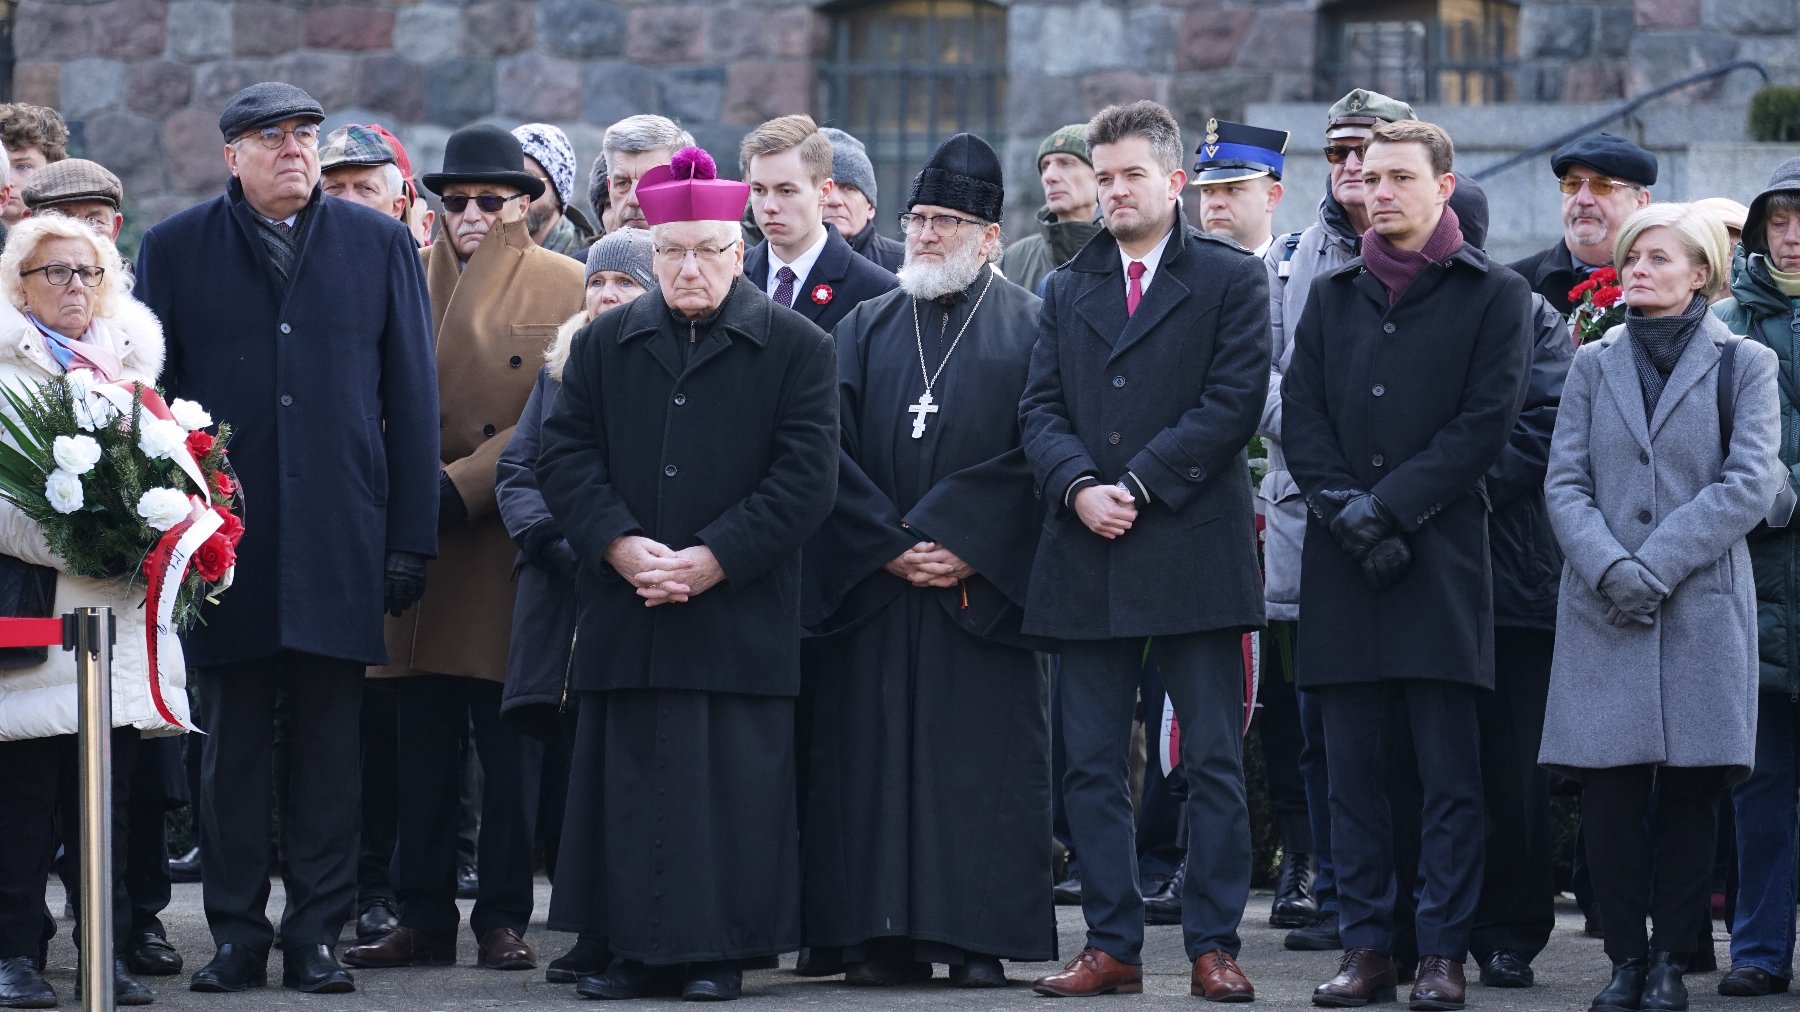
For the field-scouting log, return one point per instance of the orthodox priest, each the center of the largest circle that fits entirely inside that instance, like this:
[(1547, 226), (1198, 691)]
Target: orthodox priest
[(927, 822), (690, 455)]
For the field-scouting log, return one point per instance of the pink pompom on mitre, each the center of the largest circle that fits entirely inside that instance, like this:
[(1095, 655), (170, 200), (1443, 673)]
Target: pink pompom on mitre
[(693, 163)]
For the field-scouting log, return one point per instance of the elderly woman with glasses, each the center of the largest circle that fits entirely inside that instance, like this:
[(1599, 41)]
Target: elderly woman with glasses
[(64, 307)]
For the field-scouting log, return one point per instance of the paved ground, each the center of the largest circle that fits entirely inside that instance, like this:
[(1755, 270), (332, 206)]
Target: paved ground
[(1569, 973)]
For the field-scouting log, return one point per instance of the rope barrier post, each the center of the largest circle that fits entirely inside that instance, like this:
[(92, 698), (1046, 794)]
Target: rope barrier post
[(93, 670)]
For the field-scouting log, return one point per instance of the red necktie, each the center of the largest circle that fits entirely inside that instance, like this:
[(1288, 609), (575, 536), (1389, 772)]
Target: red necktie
[(1134, 293)]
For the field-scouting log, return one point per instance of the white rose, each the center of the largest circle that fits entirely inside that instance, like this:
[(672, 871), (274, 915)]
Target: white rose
[(63, 489), (75, 454), (159, 437), (94, 412), (189, 415), (163, 508)]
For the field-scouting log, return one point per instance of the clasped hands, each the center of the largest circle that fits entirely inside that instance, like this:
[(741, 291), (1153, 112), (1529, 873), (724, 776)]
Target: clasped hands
[(929, 564), (1367, 532), (1632, 593), (661, 574), (1107, 510)]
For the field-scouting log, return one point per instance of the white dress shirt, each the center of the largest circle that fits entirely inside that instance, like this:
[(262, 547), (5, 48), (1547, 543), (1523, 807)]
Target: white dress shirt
[(801, 265)]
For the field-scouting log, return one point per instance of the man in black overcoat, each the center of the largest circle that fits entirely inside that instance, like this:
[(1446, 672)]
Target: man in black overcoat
[(1146, 384), (691, 453), (1408, 371), (301, 321)]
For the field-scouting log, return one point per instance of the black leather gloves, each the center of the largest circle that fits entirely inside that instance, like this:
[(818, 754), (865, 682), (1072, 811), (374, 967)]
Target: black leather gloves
[(1386, 563), (1361, 521), (1633, 590), (451, 510), (405, 582)]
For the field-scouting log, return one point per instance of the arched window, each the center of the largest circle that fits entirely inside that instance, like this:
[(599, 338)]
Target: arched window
[(1455, 52), (903, 75)]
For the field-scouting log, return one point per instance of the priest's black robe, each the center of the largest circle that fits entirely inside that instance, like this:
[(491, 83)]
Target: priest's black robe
[(927, 817)]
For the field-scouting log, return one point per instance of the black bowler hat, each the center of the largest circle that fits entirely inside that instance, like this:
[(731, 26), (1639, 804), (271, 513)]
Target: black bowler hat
[(963, 174), (484, 154), (1234, 151), (1609, 154)]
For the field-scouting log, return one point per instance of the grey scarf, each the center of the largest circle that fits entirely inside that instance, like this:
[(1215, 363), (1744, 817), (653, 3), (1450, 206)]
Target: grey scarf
[(1657, 343), (283, 247)]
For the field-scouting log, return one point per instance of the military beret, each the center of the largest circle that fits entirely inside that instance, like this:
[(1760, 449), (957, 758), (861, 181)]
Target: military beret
[(70, 180), (266, 103), (1607, 153), (1361, 109)]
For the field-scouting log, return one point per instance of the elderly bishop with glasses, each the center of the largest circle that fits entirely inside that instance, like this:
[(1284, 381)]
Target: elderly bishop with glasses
[(692, 451)]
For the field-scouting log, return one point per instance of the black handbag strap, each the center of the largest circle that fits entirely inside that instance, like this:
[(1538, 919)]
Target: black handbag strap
[(1727, 391)]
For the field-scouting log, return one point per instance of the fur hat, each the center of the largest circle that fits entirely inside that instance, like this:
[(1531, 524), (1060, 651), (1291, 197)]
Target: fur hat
[(963, 174)]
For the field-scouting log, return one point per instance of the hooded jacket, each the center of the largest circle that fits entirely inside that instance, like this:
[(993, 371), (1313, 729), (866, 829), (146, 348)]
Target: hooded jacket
[(1055, 243)]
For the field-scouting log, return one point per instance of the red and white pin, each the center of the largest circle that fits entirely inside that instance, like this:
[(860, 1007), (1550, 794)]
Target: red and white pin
[(821, 294)]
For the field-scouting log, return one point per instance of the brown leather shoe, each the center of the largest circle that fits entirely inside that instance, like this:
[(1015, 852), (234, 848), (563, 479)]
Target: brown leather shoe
[(1216, 977), (1439, 985), (1364, 975), (402, 946), (503, 949), (1091, 973)]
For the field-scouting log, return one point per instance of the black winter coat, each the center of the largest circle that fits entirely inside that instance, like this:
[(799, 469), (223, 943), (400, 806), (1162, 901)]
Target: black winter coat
[(1527, 561), (887, 253), (1414, 403), (1171, 394), (1551, 273), (847, 278), (329, 384), (736, 449)]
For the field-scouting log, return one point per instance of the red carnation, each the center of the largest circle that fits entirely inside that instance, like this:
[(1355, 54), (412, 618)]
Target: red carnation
[(214, 557), (1605, 276), (222, 481), (1607, 296), (199, 443), (232, 529), (1578, 291)]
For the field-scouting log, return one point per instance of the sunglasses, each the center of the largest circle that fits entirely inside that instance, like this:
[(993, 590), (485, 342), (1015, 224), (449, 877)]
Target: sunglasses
[(488, 202), (1338, 154), (1599, 186)]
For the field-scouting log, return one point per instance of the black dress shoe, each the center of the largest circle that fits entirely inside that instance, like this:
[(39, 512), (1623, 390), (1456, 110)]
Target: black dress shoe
[(313, 969), (977, 971), (468, 882), (151, 955), (713, 982), (626, 979), (1294, 905), (1626, 992), (127, 990), (1751, 982), (233, 968), (1068, 891), (885, 972), (22, 984), (1165, 906), (586, 958), (1320, 936), (1507, 968), (814, 962), (377, 919), (185, 868), (1663, 989)]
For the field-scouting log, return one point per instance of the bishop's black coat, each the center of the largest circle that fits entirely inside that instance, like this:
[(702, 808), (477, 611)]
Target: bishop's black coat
[(849, 277), (929, 790)]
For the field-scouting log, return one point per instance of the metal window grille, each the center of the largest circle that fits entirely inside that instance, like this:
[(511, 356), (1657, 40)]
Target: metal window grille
[(904, 75), (1455, 52)]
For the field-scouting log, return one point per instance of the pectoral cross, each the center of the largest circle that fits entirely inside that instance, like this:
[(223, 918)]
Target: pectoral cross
[(919, 411)]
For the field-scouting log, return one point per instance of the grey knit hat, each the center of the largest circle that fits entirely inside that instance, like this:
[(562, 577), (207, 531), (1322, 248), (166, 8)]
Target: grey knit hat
[(627, 251), (850, 165)]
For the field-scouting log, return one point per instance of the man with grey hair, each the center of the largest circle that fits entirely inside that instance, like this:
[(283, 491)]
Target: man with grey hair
[(851, 203), (632, 147), (359, 165), (1146, 383)]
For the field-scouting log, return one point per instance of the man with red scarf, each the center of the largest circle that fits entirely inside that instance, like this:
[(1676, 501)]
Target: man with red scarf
[(1390, 423)]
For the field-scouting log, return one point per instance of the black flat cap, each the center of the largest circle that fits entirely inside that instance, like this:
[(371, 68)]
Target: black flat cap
[(262, 104), (1607, 153), (70, 180)]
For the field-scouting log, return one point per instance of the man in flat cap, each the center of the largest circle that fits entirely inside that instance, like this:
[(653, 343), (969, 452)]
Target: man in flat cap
[(80, 189), (357, 163), (303, 322), (1603, 178), (1070, 215), (851, 203), (927, 819), (496, 301), (1292, 262), (692, 451), (555, 223)]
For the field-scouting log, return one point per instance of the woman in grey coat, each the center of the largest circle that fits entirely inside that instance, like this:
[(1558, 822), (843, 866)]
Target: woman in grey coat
[(1652, 486)]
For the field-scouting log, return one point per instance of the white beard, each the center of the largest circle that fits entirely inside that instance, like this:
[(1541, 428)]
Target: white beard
[(957, 272)]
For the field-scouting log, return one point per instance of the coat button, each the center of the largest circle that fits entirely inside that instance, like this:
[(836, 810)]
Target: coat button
[(1378, 390), (1118, 381), (1643, 458), (488, 430), (1387, 328), (680, 399), (1114, 438), (285, 329), (1377, 460), (287, 400), (670, 471), (515, 361), (1643, 516), (1193, 472)]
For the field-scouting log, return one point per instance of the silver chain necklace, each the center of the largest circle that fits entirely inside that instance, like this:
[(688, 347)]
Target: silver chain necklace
[(924, 406)]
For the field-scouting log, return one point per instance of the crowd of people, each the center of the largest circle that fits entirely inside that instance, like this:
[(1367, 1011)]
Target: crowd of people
[(772, 631)]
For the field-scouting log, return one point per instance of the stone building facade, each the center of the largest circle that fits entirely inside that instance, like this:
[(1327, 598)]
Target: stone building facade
[(141, 81)]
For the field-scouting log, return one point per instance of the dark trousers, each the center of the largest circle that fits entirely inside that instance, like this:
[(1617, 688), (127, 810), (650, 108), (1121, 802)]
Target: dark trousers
[(1204, 675), (1278, 730), (1161, 845), (1518, 891), (1766, 808), (320, 704), (146, 879), (380, 790), (1365, 724), (434, 710), (1651, 832), (1315, 778)]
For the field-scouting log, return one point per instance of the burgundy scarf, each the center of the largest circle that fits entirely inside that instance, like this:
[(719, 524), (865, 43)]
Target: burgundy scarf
[(1396, 268)]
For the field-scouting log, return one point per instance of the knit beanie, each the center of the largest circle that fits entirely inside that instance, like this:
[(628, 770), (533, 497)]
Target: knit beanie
[(626, 251), (1069, 140), (549, 147), (850, 165)]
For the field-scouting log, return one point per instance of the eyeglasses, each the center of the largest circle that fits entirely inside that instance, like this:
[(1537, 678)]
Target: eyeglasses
[(488, 202), (61, 274), (1338, 154), (273, 137), (704, 254), (1599, 186), (944, 224)]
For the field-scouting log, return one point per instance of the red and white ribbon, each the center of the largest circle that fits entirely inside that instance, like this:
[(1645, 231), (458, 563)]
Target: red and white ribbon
[(167, 567)]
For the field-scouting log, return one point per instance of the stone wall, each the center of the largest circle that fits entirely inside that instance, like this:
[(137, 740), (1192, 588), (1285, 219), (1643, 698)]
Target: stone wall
[(142, 81)]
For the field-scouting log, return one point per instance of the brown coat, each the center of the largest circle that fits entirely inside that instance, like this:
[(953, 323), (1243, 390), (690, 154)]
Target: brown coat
[(493, 321)]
